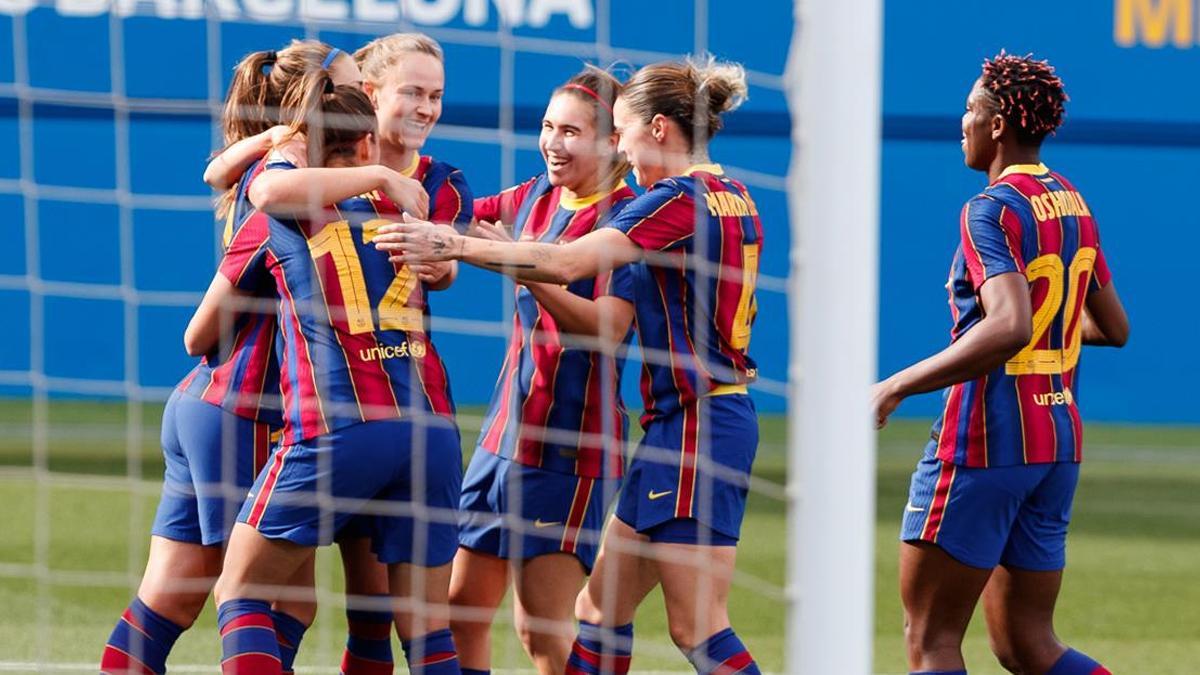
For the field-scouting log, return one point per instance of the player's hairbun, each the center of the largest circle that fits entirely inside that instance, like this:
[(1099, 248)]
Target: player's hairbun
[(1027, 92), (723, 83), (694, 92)]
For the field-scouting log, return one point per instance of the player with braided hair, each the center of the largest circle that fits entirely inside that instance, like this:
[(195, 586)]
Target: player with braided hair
[(991, 499)]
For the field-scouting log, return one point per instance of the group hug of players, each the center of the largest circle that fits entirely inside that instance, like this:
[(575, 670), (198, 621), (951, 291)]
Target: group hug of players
[(321, 412)]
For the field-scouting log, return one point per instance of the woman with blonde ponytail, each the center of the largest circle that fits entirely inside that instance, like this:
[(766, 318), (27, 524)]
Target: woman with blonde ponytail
[(694, 240)]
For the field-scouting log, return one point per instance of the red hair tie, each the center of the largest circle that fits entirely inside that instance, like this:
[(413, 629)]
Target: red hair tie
[(590, 92)]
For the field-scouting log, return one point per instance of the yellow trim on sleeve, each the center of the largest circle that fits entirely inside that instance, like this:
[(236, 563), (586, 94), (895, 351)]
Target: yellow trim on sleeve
[(714, 169)]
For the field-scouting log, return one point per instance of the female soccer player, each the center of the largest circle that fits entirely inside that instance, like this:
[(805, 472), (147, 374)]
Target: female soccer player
[(218, 423), (697, 238), (368, 423), (990, 501), (549, 456)]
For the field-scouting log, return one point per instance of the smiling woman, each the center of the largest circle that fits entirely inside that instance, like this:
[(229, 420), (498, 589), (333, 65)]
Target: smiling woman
[(405, 78)]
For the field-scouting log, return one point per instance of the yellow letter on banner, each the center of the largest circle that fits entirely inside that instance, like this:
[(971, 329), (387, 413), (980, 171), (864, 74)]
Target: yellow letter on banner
[(1149, 22)]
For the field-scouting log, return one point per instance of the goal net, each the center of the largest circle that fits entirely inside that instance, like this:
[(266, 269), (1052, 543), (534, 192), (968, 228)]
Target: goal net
[(108, 113)]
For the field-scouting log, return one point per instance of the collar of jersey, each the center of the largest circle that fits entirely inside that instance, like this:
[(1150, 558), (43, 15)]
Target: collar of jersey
[(714, 169), (576, 203), (1031, 169), (409, 170)]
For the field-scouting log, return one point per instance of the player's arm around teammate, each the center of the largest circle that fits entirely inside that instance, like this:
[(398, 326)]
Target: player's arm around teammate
[(681, 507), (990, 502), (218, 424), (548, 460)]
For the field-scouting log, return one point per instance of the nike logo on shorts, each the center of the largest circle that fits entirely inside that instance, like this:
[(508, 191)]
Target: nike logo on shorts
[(909, 508), (539, 523), (658, 495)]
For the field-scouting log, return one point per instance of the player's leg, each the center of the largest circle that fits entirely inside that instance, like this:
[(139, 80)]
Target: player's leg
[(294, 611), (939, 595), (695, 550), (1021, 596), (480, 574), (545, 589), (477, 585), (607, 604), (180, 569), (957, 523), (256, 569), (696, 581), (419, 549), (368, 606)]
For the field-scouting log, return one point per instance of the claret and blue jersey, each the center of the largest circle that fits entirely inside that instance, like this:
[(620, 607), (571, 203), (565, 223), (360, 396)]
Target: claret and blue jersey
[(557, 407), (1030, 221), (353, 328), (695, 303)]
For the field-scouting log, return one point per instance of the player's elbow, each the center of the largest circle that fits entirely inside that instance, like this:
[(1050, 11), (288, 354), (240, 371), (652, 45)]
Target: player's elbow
[(1011, 334), (192, 343), (1117, 335), (196, 340)]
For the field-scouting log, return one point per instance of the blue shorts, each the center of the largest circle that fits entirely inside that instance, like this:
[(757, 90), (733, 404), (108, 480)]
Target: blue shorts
[(405, 475), (982, 517), (511, 510), (212, 457), (694, 464)]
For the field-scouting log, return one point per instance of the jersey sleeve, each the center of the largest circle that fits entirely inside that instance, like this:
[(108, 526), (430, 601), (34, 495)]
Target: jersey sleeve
[(244, 261), (660, 220), (619, 284), (453, 204), (503, 207), (990, 240)]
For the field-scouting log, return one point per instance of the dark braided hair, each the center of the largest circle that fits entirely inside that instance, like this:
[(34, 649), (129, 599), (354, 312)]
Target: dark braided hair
[(1027, 93)]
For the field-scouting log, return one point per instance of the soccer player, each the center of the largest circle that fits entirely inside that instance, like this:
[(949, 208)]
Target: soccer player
[(991, 499), (368, 422), (696, 239), (218, 423), (548, 460), (405, 79)]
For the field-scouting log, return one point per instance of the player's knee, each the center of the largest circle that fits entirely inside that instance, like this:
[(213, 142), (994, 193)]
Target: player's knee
[(1005, 656), (178, 608), (541, 640), (926, 638), (586, 609), (683, 634)]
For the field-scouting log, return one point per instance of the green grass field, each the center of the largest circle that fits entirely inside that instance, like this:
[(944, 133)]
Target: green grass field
[(1131, 596)]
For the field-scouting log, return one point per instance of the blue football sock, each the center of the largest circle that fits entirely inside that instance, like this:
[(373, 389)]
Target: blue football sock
[(723, 654), (248, 640), (1077, 663), (601, 651), (368, 642), (142, 637), (289, 631), (432, 654)]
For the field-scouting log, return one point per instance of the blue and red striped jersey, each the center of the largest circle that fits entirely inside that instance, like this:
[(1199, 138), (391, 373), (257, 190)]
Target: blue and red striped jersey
[(695, 290), (557, 406), (1030, 221), (353, 328), (242, 373), (450, 200)]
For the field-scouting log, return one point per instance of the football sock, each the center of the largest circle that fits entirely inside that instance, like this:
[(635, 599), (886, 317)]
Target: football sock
[(369, 643), (432, 654), (289, 631), (140, 642), (597, 650), (249, 645), (723, 654), (475, 671), (1077, 663)]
